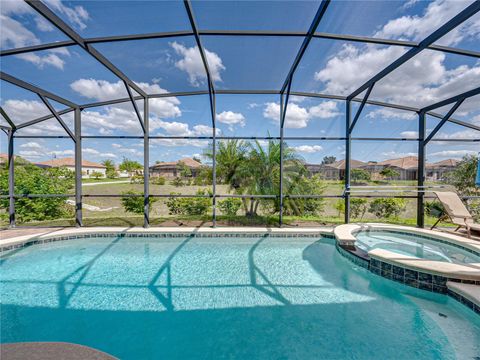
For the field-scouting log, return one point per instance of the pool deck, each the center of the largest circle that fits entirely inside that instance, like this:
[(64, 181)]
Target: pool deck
[(50, 350)]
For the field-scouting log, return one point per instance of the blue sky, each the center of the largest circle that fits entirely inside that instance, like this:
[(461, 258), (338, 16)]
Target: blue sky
[(174, 64)]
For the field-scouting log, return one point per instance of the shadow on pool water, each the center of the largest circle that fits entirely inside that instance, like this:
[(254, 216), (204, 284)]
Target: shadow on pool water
[(327, 310)]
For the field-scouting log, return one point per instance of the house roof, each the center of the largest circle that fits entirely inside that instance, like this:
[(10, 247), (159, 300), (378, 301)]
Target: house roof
[(407, 162), (191, 163), (70, 162), (444, 163), (340, 164)]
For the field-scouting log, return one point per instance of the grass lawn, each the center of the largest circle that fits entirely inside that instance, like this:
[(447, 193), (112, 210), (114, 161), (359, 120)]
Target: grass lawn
[(115, 215)]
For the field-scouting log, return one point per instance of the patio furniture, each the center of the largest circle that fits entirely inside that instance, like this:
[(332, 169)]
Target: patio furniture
[(456, 210)]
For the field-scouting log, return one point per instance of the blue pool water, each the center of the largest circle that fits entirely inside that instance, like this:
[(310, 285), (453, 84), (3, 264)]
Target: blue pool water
[(232, 298), (412, 245)]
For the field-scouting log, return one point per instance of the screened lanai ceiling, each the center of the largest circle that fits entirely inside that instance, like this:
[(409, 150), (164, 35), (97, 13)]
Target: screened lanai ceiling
[(245, 68)]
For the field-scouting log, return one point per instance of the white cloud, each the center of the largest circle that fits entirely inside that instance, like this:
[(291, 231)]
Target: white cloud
[(77, 15), (324, 110), (395, 155), (231, 119), (102, 90), (386, 113), (418, 27), (192, 63), (21, 111), (409, 134), (298, 117), (411, 83), (31, 145), (456, 154), (308, 149), (14, 17)]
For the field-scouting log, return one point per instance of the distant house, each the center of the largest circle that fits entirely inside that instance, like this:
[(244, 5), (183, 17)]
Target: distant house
[(332, 171), (4, 159), (438, 170), (172, 169), (407, 167), (88, 167)]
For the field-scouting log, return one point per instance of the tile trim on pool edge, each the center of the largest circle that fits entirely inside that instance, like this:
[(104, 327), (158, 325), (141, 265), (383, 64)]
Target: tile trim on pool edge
[(412, 278), (37, 241)]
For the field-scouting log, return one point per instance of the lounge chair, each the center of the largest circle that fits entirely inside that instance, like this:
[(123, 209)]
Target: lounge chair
[(456, 210)]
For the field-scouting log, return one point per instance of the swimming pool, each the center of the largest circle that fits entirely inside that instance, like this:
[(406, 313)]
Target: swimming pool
[(414, 245), (210, 298)]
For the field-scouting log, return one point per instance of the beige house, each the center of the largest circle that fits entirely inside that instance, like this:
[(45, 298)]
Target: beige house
[(333, 171), (407, 168), (88, 167), (172, 169)]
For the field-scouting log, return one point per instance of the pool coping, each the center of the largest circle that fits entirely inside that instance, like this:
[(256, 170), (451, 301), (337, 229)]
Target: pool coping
[(76, 233)]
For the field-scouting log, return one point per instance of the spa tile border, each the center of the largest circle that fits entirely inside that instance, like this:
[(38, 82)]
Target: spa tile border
[(463, 300), (412, 278), (426, 237), (37, 241)]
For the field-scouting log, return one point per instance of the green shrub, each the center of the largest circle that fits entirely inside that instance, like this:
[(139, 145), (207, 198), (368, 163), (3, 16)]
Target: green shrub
[(135, 204), (96, 175), (387, 207), (230, 206), (359, 175), (30, 179), (189, 206), (111, 174), (178, 182), (137, 179), (358, 208), (434, 208), (157, 180), (340, 206)]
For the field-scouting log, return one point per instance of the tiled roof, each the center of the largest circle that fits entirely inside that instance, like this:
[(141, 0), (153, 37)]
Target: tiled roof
[(447, 162), (69, 162), (187, 161), (407, 162)]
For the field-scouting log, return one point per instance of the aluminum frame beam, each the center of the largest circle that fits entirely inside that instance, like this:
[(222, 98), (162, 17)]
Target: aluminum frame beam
[(146, 165), (465, 14), (78, 167), (35, 89), (359, 110), (135, 107), (7, 118), (311, 31), (57, 116), (49, 15), (443, 121), (11, 178), (265, 33), (421, 170), (452, 99)]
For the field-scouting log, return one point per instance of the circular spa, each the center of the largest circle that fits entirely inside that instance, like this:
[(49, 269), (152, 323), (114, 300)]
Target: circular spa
[(411, 244), (237, 297)]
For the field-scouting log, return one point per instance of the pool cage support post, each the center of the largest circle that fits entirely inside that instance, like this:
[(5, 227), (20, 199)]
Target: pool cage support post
[(146, 161), (421, 171), (348, 153), (78, 167), (11, 178), (280, 215), (214, 161)]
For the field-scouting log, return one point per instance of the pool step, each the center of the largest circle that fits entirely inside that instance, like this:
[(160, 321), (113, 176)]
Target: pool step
[(467, 294)]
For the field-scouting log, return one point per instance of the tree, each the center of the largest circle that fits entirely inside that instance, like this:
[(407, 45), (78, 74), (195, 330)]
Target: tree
[(389, 173), (184, 170), (30, 179), (110, 169), (463, 177), (197, 159), (96, 175), (328, 160), (130, 166), (360, 175)]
